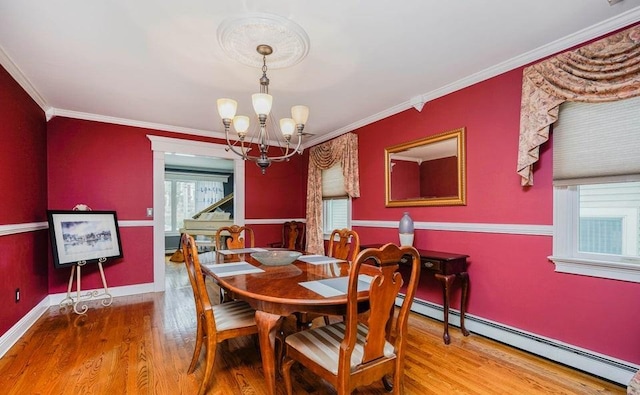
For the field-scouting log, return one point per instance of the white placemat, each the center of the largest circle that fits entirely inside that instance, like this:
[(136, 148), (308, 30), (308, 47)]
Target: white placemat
[(336, 286), (241, 251), (232, 269), (319, 259)]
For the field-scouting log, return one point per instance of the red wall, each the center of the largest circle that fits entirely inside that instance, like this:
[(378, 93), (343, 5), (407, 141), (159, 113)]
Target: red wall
[(439, 177), (278, 194), (512, 281), (110, 167), (23, 172), (405, 176)]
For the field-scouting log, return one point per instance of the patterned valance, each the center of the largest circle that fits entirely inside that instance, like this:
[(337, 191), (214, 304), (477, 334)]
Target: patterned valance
[(605, 70), (343, 150)]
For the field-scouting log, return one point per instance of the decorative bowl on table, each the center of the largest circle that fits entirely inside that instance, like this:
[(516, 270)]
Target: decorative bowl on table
[(276, 258)]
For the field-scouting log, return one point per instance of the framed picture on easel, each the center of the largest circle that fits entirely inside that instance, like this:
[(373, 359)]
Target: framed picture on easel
[(83, 236)]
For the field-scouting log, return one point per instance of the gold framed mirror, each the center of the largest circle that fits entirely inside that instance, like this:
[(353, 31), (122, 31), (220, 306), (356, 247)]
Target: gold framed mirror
[(427, 172)]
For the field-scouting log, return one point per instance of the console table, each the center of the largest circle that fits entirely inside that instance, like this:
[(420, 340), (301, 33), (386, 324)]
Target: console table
[(446, 268)]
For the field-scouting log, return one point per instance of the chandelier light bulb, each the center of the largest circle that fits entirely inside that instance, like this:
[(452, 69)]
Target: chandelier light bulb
[(241, 124), (262, 103), (287, 126), (227, 108), (300, 114)]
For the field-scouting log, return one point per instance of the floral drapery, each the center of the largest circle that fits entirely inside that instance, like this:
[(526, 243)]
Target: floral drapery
[(605, 70), (343, 150)]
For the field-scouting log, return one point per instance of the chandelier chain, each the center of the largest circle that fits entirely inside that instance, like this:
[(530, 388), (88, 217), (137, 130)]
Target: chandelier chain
[(264, 80)]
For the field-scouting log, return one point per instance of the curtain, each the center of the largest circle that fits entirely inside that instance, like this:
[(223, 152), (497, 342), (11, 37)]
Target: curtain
[(343, 150), (605, 70)]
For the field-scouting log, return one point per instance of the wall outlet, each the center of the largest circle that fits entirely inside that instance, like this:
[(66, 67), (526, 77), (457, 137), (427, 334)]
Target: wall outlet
[(17, 295), (149, 212)]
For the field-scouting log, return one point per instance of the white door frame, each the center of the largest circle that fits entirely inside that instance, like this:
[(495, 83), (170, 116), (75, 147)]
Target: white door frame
[(161, 145)]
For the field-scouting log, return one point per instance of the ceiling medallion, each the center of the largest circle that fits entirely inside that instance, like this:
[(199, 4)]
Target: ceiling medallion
[(239, 37)]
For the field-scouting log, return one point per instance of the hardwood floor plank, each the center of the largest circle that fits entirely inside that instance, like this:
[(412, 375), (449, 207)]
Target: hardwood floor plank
[(143, 344)]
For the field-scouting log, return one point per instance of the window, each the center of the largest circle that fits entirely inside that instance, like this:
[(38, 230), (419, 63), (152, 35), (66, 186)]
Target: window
[(336, 205), (597, 190), (188, 193), (335, 214)]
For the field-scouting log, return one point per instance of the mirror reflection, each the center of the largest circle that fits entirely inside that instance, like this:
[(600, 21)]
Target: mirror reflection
[(427, 172)]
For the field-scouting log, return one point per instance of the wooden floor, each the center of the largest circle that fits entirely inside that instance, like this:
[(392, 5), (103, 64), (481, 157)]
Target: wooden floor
[(143, 344)]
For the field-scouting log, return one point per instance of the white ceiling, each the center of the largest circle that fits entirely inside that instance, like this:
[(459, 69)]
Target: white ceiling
[(159, 64)]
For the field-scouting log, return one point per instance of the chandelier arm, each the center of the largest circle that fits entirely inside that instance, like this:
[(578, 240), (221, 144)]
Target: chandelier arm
[(288, 154), (243, 151)]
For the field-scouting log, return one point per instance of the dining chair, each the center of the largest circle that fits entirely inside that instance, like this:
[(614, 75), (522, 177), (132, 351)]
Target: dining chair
[(235, 238), (214, 323), (293, 236), (231, 237), (343, 244), (357, 351), (346, 246)]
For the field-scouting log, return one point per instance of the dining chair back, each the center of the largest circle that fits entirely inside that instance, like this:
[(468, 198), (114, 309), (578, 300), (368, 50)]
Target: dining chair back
[(238, 237), (293, 236), (214, 322), (363, 349), (344, 244)]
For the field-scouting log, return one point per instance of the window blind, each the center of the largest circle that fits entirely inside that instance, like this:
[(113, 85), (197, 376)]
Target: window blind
[(333, 182), (593, 140), (182, 176)]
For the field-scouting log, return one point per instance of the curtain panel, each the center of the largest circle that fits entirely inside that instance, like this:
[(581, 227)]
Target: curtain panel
[(343, 150), (605, 70)]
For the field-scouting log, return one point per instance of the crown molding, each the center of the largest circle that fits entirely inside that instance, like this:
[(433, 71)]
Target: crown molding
[(53, 112), (600, 29), (358, 124), (131, 122), (22, 80)]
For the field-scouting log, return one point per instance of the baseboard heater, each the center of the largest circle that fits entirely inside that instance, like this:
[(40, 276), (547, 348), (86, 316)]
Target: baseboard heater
[(600, 365)]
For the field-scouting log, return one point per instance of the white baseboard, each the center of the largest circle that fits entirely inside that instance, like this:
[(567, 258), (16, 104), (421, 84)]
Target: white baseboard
[(9, 338), (600, 365), (14, 333)]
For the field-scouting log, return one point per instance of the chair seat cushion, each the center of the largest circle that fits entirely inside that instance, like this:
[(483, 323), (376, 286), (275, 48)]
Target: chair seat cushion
[(233, 315), (322, 345)]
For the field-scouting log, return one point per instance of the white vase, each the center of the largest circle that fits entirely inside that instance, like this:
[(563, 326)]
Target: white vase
[(406, 239)]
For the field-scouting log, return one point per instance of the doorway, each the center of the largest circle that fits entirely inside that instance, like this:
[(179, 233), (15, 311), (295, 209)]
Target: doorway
[(162, 145)]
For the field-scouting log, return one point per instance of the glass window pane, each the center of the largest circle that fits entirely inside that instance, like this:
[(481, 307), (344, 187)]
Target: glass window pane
[(609, 219), (207, 193), (168, 193), (600, 235), (334, 214), (185, 201)]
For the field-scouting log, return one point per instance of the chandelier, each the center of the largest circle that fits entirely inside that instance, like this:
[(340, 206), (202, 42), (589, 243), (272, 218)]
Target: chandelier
[(262, 136)]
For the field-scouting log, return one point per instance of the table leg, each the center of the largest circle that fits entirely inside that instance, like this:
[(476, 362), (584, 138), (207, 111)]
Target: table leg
[(446, 281), (267, 324), (464, 277)]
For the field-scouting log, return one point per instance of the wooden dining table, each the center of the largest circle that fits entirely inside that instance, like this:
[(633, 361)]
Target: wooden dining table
[(275, 292)]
